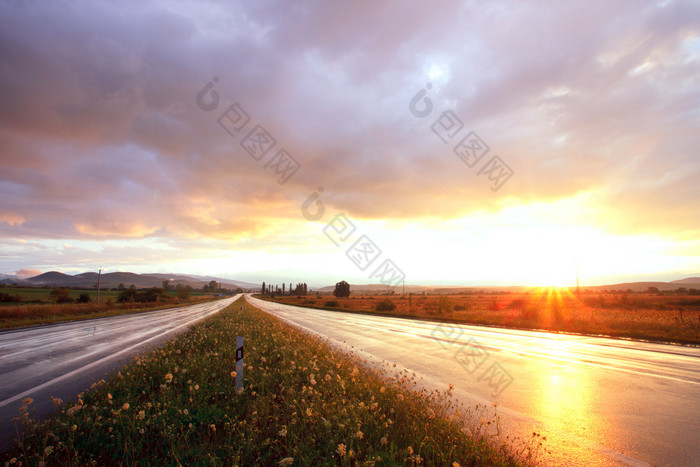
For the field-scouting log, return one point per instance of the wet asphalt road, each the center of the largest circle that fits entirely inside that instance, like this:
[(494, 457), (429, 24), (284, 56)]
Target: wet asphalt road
[(599, 401), (62, 360)]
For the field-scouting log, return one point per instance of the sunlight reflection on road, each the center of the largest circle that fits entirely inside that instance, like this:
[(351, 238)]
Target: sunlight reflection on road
[(599, 401)]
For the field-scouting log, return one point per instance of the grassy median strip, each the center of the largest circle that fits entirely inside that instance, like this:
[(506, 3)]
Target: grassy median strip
[(303, 404)]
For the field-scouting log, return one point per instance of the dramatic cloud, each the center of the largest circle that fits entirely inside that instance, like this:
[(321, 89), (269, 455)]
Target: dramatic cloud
[(102, 138), (27, 273)]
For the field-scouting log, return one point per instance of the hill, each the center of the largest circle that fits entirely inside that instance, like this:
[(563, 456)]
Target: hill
[(690, 281), (54, 279), (114, 279)]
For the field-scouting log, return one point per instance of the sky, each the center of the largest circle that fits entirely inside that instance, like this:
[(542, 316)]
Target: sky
[(456, 143)]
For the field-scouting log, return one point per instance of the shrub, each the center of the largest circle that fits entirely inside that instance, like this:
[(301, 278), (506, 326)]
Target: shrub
[(60, 296), (183, 291), (332, 303), (8, 298), (128, 295), (84, 298), (385, 305)]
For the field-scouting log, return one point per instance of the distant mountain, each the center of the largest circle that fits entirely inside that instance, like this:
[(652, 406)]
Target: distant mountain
[(55, 279), (644, 286), (237, 283), (7, 279), (114, 279), (688, 281)]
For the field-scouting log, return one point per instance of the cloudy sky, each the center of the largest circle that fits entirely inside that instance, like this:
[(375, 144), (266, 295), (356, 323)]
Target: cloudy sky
[(454, 143)]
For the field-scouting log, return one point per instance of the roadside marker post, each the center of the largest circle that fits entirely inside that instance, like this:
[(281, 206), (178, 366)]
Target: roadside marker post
[(239, 364)]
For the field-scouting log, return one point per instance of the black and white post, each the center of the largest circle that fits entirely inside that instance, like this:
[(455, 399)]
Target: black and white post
[(239, 364)]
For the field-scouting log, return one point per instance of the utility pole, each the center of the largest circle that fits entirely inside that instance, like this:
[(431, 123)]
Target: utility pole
[(99, 277)]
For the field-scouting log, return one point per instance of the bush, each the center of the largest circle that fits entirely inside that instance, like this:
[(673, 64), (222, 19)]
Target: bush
[(127, 295), (60, 296), (183, 291), (84, 298), (154, 294), (385, 305), (332, 303), (7, 298)]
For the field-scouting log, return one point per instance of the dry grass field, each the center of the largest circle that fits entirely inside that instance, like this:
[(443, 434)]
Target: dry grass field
[(665, 318)]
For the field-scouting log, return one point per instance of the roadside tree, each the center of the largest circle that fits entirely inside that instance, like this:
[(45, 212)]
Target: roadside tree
[(342, 289)]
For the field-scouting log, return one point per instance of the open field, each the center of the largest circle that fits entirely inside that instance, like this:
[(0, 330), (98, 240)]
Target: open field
[(302, 404), (13, 315), (667, 318), (41, 295)]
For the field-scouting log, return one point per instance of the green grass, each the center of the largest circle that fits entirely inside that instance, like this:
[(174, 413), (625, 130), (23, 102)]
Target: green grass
[(303, 404), (41, 295)]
